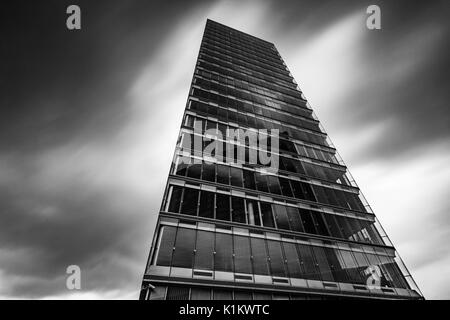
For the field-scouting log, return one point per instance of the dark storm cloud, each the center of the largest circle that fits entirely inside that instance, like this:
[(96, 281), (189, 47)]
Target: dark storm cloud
[(85, 141)]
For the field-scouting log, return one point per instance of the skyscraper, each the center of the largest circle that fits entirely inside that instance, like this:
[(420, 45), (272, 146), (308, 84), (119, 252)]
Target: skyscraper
[(258, 203)]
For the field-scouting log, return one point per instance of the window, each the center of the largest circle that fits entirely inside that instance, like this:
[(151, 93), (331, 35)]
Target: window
[(184, 248), (209, 171), (177, 293), (236, 177), (222, 294), (222, 207), (266, 214), (259, 256), (293, 262), (348, 262), (242, 263), (194, 170), (253, 213), (307, 221), (175, 199), (261, 182), (238, 209), (206, 204), (274, 184), (204, 250), (281, 216), (319, 223), (166, 244), (190, 202), (200, 294), (294, 219), (249, 180), (307, 261), (223, 173), (332, 225), (224, 253), (276, 259), (285, 187)]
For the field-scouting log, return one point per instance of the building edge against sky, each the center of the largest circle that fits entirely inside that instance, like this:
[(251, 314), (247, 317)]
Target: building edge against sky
[(228, 229)]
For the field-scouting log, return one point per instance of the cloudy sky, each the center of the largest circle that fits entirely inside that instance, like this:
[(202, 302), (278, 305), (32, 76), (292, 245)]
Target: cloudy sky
[(89, 121)]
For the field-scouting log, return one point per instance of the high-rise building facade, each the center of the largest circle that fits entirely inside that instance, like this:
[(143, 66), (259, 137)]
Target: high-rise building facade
[(233, 226)]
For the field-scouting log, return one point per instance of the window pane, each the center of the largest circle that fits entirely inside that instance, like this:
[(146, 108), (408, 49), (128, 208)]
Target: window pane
[(294, 219), (200, 294), (261, 182), (236, 177), (224, 253), (253, 212), (204, 250), (175, 199), (190, 201), (209, 171), (220, 294), (308, 263), (242, 295), (238, 209), (206, 204), (194, 170), (281, 216), (222, 207), (293, 262), (322, 262), (177, 293), (266, 213), (319, 223), (307, 221), (166, 245), (332, 225), (184, 248), (274, 184), (249, 179), (259, 255), (223, 174), (348, 262), (285, 187), (242, 261), (276, 259)]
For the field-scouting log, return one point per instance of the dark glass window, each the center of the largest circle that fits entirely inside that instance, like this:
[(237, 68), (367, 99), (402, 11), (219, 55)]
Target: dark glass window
[(204, 250), (220, 294), (277, 266), (184, 248), (308, 263), (319, 223), (294, 219), (337, 270), (293, 262), (285, 187), (166, 245), (259, 255), (281, 216), (242, 295), (190, 202), (274, 184), (322, 262), (223, 259), (209, 171), (332, 225), (307, 221), (206, 204), (242, 263), (181, 168), (236, 177), (261, 182), (266, 214), (177, 293), (249, 180), (253, 213), (223, 174), (175, 199), (194, 170), (222, 207), (200, 294), (238, 209)]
